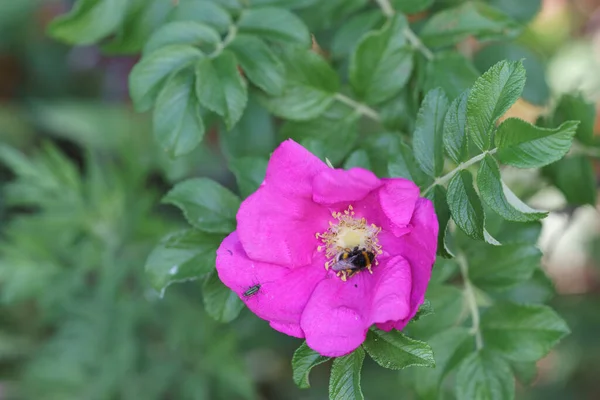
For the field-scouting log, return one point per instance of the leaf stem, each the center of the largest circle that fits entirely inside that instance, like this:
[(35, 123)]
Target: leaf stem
[(464, 165), (360, 108), (388, 11), (471, 301), (231, 33)]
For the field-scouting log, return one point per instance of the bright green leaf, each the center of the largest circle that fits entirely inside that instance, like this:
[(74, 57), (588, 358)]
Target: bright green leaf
[(485, 375), (178, 125), (382, 63), (205, 11), (491, 96), (206, 205), (182, 32), (455, 136), (522, 332), (427, 139), (220, 302), (465, 206), (182, 256), (523, 145), (347, 36), (259, 63), (275, 24), (499, 197), (393, 350), (147, 76), (575, 177), (303, 361), (525, 372), (220, 87), (344, 381), (249, 173), (451, 71)]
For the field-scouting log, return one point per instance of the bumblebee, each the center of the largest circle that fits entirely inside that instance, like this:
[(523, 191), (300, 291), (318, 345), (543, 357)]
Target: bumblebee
[(353, 261), (252, 290)]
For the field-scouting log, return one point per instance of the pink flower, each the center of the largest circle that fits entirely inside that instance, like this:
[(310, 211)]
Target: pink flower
[(283, 259)]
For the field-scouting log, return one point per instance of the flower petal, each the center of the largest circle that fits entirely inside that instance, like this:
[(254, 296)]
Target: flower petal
[(291, 169), (398, 198), (338, 314), (338, 185)]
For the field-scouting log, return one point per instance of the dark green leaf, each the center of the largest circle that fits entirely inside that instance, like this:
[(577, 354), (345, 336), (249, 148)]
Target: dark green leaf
[(500, 267), (522, 11), (205, 11), (522, 332), (437, 195), (89, 21), (303, 361), (452, 25), (178, 125), (358, 158), (249, 173), (452, 72), (182, 256), (523, 145), (524, 371), (492, 95), (455, 129), (574, 176), (382, 63), (485, 375), (578, 109), (344, 382), (220, 87), (538, 289), (220, 302), (275, 24), (147, 76), (347, 36), (427, 139), (536, 88), (182, 32), (499, 197), (425, 309), (447, 301), (465, 206), (402, 164), (206, 205), (411, 6), (393, 350), (259, 63)]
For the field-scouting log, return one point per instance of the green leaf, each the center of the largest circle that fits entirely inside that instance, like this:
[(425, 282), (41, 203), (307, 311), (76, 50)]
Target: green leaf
[(465, 206), (576, 108), (455, 130), (178, 125), (148, 75), (538, 289), (525, 372), (382, 63), (452, 25), (220, 87), (427, 139), (89, 21), (522, 332), (259, 63), (348, 35), (446, 346), (358, 158), (424, 310), (438, 196), (500, 267), (182, 32), (206, 205), (249, 173), (452, 72), (205, 11), (485, 375), (393, 350), (275, 24), (499, 197), (574, 176), (447, 301), (310, 90), (182, 256), (522, 11), (344, 381), (411, 6), (536, 90), (492, 95), (303, 361), (220, 302), (523, 145), (403, 164)]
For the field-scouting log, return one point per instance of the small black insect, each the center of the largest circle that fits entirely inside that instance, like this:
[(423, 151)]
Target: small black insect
[(252, 290)]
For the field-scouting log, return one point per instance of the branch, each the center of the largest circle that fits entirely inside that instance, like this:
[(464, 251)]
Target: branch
[(360, 108), (471, 301), (228, 39)]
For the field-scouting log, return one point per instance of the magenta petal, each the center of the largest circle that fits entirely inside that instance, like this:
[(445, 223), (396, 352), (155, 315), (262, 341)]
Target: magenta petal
[(280, 230), (391, 292), (338, 185), (291, 169), (398, 197)]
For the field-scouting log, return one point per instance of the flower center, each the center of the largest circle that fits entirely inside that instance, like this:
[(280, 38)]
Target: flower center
[(350, 244)]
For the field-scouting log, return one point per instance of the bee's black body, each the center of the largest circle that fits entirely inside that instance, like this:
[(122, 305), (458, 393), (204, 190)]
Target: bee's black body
[(360, 258)]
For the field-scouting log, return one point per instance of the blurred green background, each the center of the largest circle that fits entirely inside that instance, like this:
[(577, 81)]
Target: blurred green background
[(80, 181)]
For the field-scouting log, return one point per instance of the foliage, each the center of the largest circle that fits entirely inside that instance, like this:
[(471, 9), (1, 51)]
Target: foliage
[(353, 81)]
